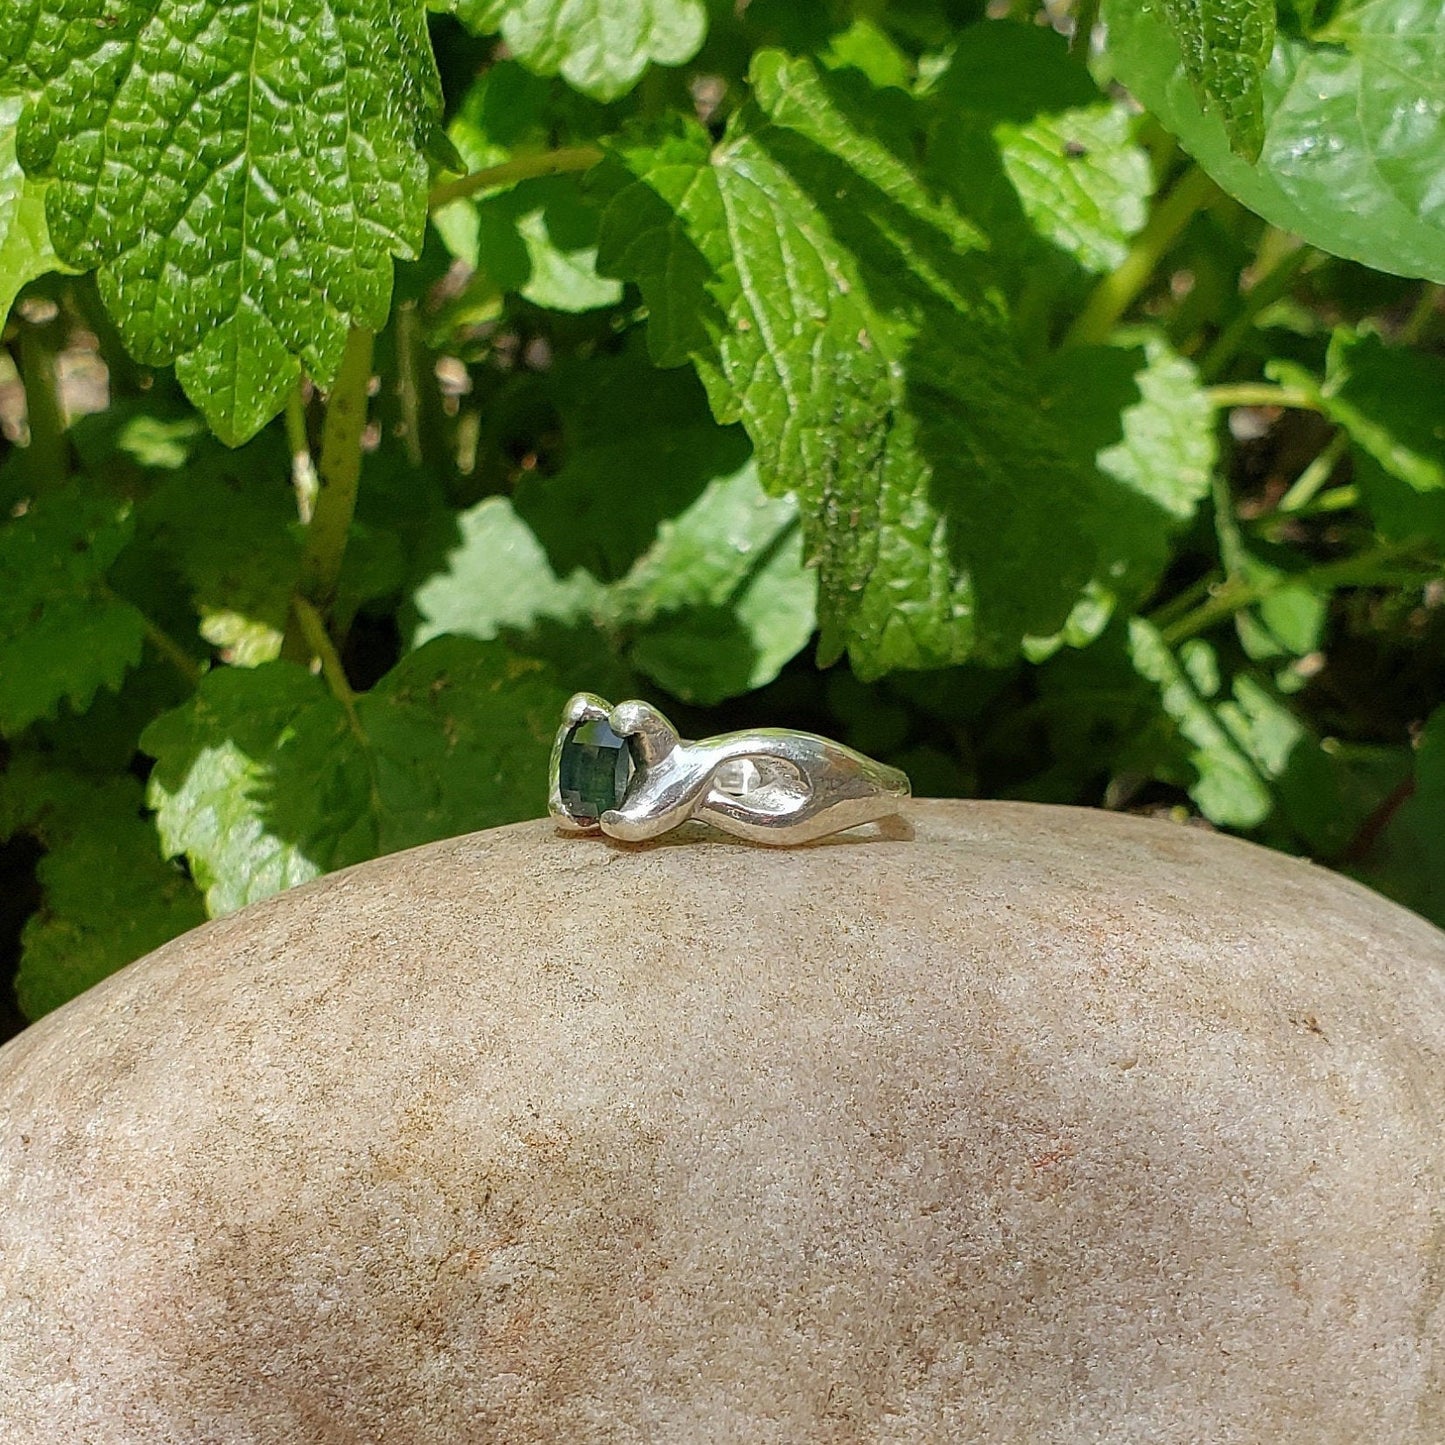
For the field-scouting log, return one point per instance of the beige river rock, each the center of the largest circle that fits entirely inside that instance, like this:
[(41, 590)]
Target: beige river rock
[(1042, 1125)]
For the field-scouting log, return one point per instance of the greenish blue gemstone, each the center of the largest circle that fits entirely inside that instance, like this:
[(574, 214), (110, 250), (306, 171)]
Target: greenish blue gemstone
[(593, 770)]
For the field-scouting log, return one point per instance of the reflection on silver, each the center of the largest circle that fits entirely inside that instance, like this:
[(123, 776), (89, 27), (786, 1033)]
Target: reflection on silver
[(770, 786)]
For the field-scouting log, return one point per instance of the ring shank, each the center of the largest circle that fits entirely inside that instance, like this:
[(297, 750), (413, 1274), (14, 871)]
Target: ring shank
[(798, 786), (836, 788)]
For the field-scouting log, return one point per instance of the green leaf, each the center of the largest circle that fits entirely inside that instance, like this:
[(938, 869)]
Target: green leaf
[(1035, 153), (1135, 410), (63, 633), (105, 737), (220, 778), (1225, 45), (1273, 739), (600, 47), (640, 446), (1385, 399), (696, 578), (708, 594), (722, 600), (1325, 790), (1103, 722), (25, 250), (506, 108), (224, 521), (559, 231), (1353, 157), (107, 894), (1229, 787), (264, 780), (154, 442), (498, 578), (1400, 512), (507, 112), (240, 174), (713, 610), (1166, 447), (1253, 760), (231, 533), (829, 304), (492, 579), (865, 47), (538, 239), (1389, 401), (1289, 621), (1407, 859)]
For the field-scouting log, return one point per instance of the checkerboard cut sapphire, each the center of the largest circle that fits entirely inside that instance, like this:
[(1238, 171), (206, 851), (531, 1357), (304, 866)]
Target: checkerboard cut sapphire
[(593, 771)]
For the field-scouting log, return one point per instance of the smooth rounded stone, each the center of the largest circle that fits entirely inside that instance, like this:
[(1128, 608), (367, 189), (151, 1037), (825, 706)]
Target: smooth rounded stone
[(1044, 1125)]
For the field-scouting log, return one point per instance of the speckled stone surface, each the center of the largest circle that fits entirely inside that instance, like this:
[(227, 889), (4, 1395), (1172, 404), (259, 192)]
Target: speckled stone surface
[(1043, 1125)]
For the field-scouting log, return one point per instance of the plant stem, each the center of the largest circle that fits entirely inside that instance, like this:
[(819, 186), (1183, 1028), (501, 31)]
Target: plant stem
[(1417, 323), (1226, 527), (1161, 147), (1086, 17), (406, 343), (337, 478), (303, 469), (1262, 393), (1368, 834), (1265, 292), (1237, 594), (1181, 602), (47, 458), (523, 168), (174, 653), (1113, 296), (161, 640), (1337, 499), (1314, 476), (321, 645)]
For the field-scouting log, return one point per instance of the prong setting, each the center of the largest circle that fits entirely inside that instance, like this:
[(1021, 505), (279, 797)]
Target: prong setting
[(581, 708)]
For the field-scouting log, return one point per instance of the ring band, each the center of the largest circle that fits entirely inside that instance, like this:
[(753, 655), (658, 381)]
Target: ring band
[(624, 771)]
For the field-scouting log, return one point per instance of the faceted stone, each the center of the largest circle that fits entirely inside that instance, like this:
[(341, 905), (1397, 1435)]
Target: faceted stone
[(593, 770)]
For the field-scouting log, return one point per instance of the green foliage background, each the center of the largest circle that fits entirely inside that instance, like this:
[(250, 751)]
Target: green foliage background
[(1057, 418)]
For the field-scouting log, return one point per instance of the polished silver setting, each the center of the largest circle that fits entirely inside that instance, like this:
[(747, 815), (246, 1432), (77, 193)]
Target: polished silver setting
[(770, 786)]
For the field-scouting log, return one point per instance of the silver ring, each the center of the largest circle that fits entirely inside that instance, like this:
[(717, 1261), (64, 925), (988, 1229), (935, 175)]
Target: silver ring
[(625, 772)]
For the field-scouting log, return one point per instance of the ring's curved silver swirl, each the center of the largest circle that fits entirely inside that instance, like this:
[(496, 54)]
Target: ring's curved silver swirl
[(625, 772)]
